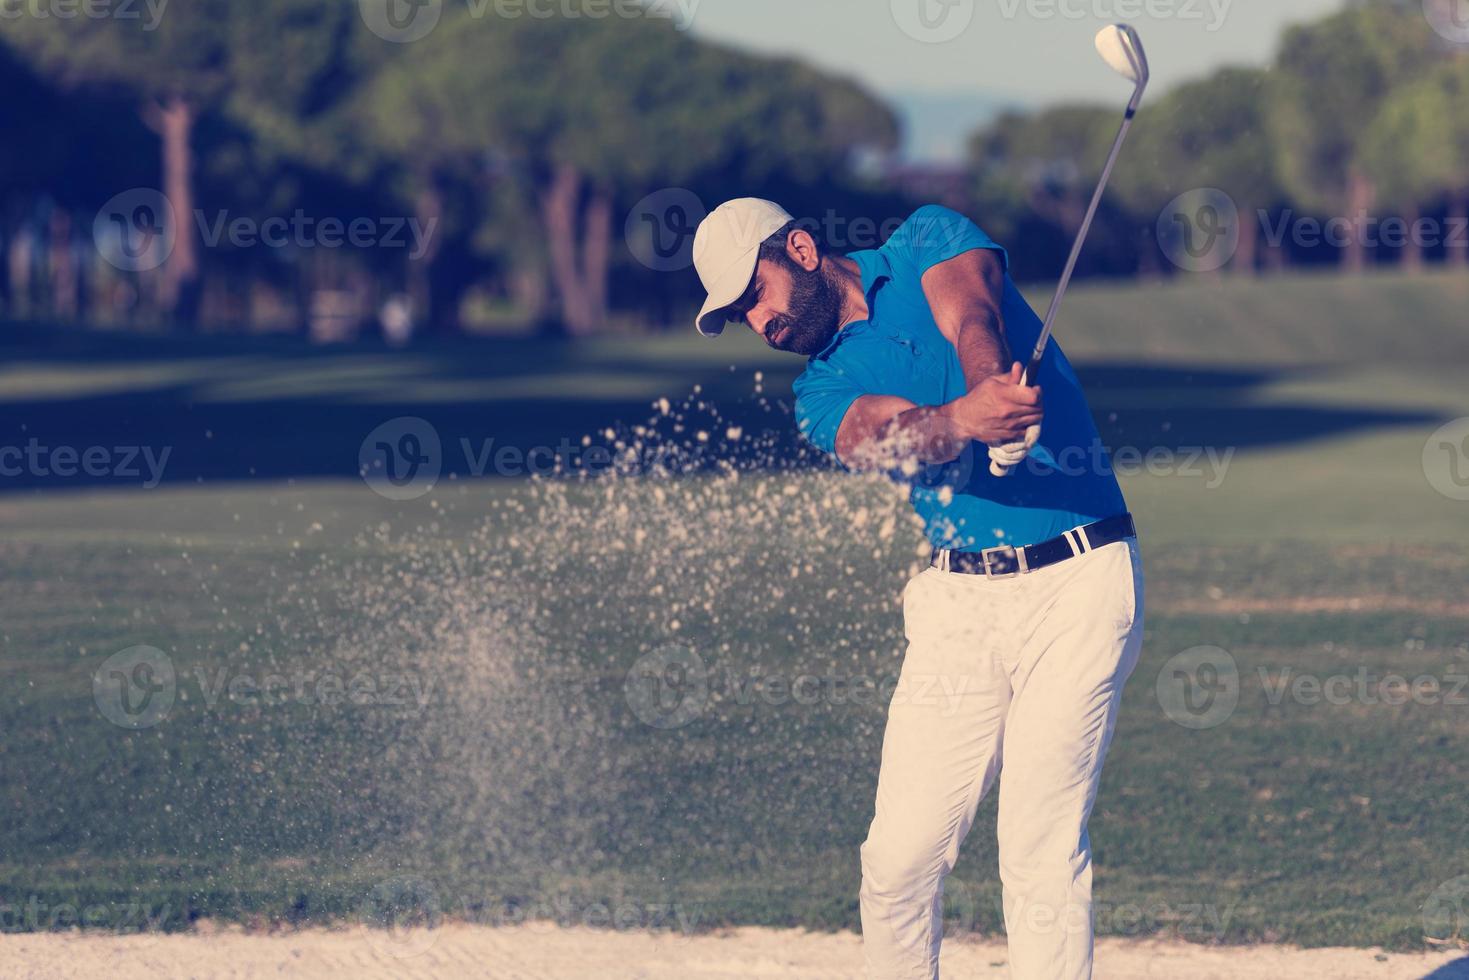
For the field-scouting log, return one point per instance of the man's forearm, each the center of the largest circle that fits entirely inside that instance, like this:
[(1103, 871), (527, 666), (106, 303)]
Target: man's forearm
[(922, 435), (983, 352)]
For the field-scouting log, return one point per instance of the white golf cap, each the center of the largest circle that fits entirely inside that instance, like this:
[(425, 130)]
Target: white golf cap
[(726, 250)]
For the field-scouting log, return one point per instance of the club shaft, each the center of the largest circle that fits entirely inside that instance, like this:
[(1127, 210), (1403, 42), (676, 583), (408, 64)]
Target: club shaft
[(1086, 227)]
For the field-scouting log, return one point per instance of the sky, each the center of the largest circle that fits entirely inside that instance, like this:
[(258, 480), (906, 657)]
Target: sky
[(966, 58)]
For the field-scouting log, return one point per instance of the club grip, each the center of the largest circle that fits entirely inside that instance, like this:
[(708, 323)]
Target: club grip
[(1032, 433)]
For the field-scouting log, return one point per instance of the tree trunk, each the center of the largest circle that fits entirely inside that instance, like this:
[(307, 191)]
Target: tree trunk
[(62, 266), (527, 288), (560, 203), (18, 259), (1246, 254), (173, 121), (1458, 233), (597, 256), (1412, 246), (1360, 193), (1149, 269), (427, 315), (1277, 256)]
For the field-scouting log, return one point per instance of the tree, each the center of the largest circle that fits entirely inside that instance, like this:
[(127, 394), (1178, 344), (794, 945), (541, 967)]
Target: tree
[(1207, 134), (1329, 81), (1416, 147), (1036, 174), (264, 62), (581, 113)]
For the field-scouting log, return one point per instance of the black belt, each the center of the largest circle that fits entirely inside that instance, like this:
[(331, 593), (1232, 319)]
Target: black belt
[(1006, 560)]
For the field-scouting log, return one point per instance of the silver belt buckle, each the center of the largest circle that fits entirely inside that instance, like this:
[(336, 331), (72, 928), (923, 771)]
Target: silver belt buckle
[(1002, 562)]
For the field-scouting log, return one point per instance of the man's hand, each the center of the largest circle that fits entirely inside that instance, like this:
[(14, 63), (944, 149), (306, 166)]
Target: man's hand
[(1011, 456), (999, 411)]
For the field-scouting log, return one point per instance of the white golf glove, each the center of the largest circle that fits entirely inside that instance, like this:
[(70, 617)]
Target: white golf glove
[(1012, 455)]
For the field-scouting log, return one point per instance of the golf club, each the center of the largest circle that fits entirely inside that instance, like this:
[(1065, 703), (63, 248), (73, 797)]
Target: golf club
[(1122, 49)]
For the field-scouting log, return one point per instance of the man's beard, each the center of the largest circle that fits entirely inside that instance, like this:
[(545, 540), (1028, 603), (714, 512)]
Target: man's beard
[(815, 313)]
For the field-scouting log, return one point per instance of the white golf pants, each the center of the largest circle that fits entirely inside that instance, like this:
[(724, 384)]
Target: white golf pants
[(1018, 677)]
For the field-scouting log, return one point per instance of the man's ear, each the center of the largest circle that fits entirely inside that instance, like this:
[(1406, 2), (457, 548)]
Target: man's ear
[(801, 249)]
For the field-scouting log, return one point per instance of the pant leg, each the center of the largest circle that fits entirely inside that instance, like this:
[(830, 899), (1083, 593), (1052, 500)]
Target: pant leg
[(1084, 637), (940, 753)]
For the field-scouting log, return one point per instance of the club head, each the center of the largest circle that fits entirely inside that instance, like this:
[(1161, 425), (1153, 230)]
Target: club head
[(1122, 49)]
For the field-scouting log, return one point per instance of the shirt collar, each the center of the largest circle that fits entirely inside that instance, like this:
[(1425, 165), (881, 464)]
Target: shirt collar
[(874, 269)]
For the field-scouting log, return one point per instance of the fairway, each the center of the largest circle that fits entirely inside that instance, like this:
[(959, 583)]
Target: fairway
[(482, 735)]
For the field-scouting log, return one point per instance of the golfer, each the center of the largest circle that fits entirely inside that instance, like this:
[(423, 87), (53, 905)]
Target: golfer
[(1028, 620)]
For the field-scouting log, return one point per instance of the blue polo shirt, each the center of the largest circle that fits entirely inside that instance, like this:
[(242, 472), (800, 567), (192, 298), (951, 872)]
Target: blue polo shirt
[(900, 351)]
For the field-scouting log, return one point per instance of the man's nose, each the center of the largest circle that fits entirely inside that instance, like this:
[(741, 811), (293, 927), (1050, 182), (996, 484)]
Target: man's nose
[(759, 322)]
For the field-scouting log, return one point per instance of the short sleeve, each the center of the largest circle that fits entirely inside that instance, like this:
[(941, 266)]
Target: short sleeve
[(935, 234), (824, 392)]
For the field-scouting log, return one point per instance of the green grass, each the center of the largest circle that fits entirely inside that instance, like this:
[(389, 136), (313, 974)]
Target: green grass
[(526, 774)]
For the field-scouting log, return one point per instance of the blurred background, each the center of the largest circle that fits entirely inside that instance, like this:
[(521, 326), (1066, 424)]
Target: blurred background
[(326, 177), (346, 348)]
